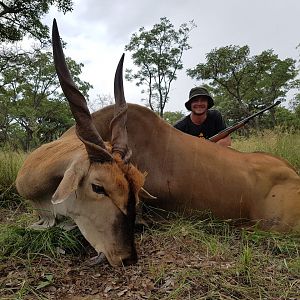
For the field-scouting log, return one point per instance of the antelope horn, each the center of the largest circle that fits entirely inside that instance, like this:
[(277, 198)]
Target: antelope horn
[(85, 127), (118, 124)]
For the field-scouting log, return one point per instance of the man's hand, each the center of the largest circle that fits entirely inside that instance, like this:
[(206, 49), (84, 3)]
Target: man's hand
[(226, 142)]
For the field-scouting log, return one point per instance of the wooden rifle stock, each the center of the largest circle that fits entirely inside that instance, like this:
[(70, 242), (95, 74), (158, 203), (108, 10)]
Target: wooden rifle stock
[(222, 134)]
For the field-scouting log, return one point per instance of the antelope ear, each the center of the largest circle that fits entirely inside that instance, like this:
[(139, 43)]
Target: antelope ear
[(69, 183)]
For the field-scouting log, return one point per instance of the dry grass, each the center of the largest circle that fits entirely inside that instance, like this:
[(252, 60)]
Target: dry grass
[(283, 144)]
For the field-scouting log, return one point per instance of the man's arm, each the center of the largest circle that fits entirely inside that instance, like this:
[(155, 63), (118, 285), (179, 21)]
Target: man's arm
[(226, 141)]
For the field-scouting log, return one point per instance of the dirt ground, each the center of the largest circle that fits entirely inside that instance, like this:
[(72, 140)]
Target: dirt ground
[(73, 277), (174, 263)]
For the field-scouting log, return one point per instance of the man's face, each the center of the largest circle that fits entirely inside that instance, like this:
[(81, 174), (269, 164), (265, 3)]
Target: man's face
[(199, 105)]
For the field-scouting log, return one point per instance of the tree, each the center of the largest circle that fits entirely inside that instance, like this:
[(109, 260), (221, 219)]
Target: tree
[(242, 84), (158, 55), (173, 116), (287, 119), (295, 108), (101, 101), (33, 108), (21, 17)]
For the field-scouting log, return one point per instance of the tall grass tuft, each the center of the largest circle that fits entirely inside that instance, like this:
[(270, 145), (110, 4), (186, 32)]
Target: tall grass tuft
[(10, 163), (16, 241), (283, 144)]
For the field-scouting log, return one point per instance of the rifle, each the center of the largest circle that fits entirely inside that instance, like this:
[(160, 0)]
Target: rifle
[(225, 132)]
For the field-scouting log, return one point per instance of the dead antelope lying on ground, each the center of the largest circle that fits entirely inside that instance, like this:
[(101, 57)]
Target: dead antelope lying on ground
[(99, 189), (186, 173), (79, 177)]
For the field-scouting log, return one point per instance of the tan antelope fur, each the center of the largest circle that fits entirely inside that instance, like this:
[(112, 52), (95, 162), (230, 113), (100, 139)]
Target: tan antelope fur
[(81, 177), (185, 172)]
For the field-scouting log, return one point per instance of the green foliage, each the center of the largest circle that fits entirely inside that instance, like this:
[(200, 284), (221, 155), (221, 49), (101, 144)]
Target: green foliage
[(21, 17), (242, 84), (173, 116), (287, 119), (33, 109), (158, 55), (296, 106)]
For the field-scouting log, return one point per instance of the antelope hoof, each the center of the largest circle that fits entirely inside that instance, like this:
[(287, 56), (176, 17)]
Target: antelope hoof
[(43, 223), (67, 225), (97, 260)]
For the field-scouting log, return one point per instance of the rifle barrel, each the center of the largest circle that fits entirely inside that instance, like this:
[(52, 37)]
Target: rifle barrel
[(261, 111), (225, 132)]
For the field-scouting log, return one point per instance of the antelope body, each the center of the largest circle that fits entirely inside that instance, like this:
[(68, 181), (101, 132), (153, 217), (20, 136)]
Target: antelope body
[(185, 172), (98, 185)]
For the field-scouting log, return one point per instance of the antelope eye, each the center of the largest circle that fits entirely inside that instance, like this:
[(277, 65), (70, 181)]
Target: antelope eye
[(99, 189)]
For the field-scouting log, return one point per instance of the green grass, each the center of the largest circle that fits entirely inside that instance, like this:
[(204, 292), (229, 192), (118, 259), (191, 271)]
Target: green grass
[(213, 260), (10, 163), (16, 241)]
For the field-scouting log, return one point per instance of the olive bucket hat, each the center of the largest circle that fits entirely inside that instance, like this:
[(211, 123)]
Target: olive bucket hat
[(199, 91)]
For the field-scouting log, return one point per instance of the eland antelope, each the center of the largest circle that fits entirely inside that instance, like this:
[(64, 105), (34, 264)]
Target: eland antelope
[(94, 183), (187, 173), (82, 177)]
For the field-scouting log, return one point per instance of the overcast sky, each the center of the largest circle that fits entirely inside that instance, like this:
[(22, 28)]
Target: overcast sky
[(97, 31)]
